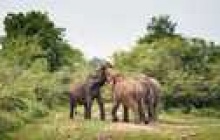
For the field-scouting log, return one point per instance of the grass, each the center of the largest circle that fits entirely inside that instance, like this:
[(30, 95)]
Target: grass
[(171, 126), (58, 127)]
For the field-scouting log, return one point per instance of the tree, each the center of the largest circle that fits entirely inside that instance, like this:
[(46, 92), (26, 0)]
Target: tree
[(159, 27), (36, 25)]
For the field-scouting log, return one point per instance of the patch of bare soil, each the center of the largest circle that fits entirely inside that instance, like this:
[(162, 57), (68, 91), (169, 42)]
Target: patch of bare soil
[(180, 131), (121, 126)]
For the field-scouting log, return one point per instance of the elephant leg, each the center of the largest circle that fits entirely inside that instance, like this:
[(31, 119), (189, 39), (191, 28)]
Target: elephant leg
[(126, 114), (154, 111), (72, 107), (136, 109), (150, 113), (150, 108), (101, 107), (141, 111), (156, 104), (154, 100), (87, 109), (114, 111)]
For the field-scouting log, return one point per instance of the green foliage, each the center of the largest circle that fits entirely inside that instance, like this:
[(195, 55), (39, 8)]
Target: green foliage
[(48, 37), (36, 69), (21, 51), (160, 27), (187, 68), (32, 92)]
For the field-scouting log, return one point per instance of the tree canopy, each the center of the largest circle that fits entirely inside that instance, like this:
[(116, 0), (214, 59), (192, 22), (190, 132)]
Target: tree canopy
[(159, 27), (38, 27)]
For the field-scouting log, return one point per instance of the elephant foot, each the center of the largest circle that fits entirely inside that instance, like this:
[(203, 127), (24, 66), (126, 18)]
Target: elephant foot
[(87, 117), (71, 116), (102, 118), (115, 120), (146, 121), (126, 120), (149, 121)]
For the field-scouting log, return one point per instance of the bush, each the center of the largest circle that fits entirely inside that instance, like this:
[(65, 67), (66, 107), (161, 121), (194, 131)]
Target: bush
[(31, 94), (190, 101)]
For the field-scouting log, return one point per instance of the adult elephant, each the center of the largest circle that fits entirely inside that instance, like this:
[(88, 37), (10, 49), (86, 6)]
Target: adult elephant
[(86, 92), (140, 94)]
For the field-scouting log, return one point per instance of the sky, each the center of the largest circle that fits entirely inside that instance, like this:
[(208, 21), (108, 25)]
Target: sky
[(101, 27)]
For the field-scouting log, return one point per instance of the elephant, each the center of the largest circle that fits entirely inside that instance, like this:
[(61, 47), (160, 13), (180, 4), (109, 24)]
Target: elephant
[(86, 92)]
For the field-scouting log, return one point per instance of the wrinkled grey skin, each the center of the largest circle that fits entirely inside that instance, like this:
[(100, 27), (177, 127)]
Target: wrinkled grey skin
[(146, 97), (147, 101), (85, 93), (151, 98)]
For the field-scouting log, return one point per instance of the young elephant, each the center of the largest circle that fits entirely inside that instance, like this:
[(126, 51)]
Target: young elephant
[(85, 93)]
